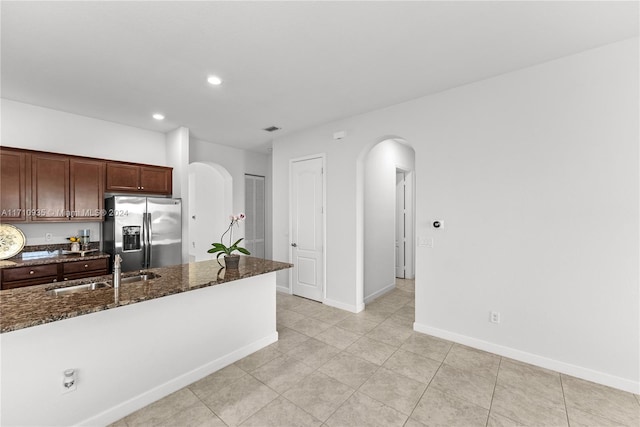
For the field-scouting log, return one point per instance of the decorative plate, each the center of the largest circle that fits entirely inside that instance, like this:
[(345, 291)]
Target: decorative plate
[(11, 241)]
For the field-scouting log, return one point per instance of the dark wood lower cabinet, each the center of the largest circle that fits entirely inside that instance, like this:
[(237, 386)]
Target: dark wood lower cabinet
[(27, 276), (48, 273), (80, 269)]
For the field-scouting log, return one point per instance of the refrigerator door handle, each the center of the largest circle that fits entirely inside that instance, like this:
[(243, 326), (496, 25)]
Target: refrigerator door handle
[(145, 241), (149, 240)]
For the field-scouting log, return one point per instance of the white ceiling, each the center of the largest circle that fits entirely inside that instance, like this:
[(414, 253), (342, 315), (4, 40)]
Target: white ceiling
[(289, 64)]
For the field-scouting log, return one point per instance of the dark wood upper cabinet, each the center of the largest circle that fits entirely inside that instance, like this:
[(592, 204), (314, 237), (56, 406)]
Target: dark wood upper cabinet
[(66, 188), (123, 177), (86, 189), (130, 178), (156, 179), (38, 186), (13, 185), (49, 187)]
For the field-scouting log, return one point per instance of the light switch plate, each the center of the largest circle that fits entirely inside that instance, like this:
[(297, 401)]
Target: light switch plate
[(426, 242)]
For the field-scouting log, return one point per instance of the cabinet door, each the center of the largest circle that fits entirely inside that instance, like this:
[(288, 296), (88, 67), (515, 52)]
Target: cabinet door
[(80, 269), (155, 180), (13, 186), (49, 187), (123, 177), (86, 190), (27, 276)]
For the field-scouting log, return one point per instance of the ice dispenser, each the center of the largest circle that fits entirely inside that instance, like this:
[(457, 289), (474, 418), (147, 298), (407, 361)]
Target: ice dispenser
[(131, 238)]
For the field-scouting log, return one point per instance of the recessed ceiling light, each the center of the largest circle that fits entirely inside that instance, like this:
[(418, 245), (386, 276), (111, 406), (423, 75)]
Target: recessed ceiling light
[(214, 80), (158, 116)]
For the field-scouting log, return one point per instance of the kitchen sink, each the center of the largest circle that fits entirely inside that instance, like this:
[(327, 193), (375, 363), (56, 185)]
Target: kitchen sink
[(139, 277), (100, 285), (78, 288)]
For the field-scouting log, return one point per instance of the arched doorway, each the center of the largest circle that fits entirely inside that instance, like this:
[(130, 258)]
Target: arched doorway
[(388, 216), (210, 203)]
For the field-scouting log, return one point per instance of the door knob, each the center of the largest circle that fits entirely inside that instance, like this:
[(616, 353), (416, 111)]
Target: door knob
[(295, 245)]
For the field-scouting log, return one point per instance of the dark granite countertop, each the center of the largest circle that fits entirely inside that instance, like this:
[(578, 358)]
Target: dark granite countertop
[(25, 259), (32, 305)]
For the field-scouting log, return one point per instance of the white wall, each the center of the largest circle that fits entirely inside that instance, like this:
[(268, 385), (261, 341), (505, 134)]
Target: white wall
[(37, 128), (535, 175), (35, 233), (177, 152), (380, 214), (237, 162)]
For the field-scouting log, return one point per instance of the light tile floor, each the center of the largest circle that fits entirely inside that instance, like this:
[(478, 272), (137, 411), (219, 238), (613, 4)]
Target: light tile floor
[(334, 368)]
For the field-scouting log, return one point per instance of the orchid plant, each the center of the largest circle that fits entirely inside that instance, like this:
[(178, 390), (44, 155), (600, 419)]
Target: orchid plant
[(221, 248)]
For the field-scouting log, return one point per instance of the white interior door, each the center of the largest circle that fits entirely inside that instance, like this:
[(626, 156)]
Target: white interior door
[(307, 228), (401, 230)]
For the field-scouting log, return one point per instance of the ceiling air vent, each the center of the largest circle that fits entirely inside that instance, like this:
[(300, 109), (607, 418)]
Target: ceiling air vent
[(271, 128)]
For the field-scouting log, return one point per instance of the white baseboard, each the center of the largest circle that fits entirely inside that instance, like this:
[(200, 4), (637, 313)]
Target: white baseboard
[(283, 289), (534, 359), (342, 306), (125, 408), (379, 293)]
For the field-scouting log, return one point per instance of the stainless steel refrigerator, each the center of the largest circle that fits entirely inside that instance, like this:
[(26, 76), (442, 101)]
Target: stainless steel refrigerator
[(145, 231)]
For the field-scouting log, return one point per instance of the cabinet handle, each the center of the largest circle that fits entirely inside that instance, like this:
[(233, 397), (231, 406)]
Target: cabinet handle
[(142, 188), (31, 272), (86, 266)]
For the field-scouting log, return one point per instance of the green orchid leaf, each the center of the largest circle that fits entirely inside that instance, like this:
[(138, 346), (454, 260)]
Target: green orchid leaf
[(244, 251)]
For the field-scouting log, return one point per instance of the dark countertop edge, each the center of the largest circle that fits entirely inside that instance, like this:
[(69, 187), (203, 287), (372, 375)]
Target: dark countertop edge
[(276, 266), (56, 259)]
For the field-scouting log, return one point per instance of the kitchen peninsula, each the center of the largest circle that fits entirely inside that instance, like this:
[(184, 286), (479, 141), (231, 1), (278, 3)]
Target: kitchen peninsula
[(132, 346)]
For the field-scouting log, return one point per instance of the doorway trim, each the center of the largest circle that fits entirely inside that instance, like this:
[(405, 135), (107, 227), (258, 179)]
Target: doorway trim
[(409, 177), (323, 157)]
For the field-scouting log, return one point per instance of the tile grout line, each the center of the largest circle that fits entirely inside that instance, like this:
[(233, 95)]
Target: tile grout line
[(493, 393), (429, 384), (426, 388), (564, 401)]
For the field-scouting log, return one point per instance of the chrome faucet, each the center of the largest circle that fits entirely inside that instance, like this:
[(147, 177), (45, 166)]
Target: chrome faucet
[(117, 271)]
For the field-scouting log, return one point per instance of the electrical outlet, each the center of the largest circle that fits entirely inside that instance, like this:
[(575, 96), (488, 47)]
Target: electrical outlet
[(48, 237), (69, 381), (495, 317)]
